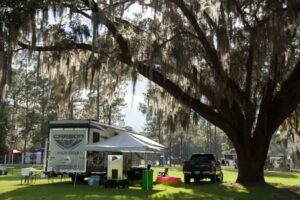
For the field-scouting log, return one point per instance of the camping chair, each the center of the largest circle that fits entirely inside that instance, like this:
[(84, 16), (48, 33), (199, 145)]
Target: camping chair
[(165, 173), (26, 175)]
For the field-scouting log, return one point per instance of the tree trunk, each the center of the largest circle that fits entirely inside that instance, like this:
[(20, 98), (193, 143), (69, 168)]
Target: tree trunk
[(98, 100), (215, 143), (71, 108), (170, 148), (159, 129), (24, 150), (109, 115), (26, 119), (251, 157), (181, 147), (43, 102), (251, 168)]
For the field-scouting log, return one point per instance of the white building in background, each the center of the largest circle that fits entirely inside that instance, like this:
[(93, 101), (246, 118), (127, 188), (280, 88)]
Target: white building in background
[(33, 158)]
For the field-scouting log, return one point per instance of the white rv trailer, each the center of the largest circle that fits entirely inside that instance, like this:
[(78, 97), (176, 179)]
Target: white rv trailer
[(67, 147)]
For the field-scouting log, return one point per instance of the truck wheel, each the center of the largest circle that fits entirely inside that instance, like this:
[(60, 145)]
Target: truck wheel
[(213, 178), (220, 177), (197, 180), (187, 179)]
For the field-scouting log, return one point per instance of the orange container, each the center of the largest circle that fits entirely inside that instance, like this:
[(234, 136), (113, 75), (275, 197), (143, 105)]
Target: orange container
[(168, 179)]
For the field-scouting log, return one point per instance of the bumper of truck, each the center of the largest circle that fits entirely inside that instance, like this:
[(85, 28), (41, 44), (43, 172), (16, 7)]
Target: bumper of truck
[(199, 173)]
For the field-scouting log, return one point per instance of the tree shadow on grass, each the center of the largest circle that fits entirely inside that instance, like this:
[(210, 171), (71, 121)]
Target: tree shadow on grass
[(232, 191), (277, 174), (280, 174), (201, 190), (18, 178), (66, 190), (272, 191)]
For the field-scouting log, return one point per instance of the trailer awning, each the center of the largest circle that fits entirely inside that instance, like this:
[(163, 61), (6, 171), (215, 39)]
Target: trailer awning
[(127, 142)]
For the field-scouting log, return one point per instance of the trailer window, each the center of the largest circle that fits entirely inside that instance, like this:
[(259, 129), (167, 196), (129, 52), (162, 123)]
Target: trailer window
[(96, 137), (103, 137)]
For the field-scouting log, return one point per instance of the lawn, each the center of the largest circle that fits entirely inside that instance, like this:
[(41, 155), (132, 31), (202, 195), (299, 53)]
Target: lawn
[(282, 185)]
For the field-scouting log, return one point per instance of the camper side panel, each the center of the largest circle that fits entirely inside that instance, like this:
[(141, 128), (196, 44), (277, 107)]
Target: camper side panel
[(66, 150)]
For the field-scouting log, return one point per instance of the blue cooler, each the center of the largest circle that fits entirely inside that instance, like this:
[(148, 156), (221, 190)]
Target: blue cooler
[(94, 180), (162, 160)]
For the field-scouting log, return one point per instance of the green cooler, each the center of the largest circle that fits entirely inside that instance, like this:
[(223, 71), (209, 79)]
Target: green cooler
[(147, 179)]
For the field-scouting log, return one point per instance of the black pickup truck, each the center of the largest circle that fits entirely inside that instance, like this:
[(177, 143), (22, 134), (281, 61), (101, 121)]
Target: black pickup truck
[(202, 166)]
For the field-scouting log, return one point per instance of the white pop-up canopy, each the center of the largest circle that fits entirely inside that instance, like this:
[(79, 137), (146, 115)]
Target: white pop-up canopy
[(127, 142)]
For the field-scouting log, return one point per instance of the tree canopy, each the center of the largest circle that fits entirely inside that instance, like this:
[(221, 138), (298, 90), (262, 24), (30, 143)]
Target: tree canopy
[(235, 63)]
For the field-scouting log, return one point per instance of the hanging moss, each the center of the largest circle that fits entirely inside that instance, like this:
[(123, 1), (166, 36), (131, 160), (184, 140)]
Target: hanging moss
[(167, 41)]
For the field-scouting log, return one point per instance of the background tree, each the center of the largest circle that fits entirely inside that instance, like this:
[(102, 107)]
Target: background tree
[(175, 126), (287, 140), (110, 108), (4, 127), (30, 106)]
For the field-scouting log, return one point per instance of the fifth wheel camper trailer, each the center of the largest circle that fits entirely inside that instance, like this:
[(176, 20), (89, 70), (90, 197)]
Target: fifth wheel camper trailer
[(67, 148)]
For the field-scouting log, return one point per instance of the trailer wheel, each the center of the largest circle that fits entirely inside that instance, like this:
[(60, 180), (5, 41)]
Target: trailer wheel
[(114, 184), (187, 179), (106, 184), (123, 184), (110, 184), (79, 179)]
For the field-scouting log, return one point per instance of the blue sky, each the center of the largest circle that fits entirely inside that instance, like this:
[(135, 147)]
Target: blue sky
[(133, 117)]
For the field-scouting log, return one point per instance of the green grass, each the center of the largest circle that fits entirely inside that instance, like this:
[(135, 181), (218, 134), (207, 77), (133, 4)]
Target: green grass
[(282, 186)]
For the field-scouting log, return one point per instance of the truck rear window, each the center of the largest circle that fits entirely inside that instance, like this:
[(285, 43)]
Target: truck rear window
[(203, 157)]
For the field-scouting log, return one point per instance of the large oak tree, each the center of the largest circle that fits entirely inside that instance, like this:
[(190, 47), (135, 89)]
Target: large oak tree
[(235, 63)]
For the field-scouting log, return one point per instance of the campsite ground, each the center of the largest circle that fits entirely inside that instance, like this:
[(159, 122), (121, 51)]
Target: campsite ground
[(282, 185)]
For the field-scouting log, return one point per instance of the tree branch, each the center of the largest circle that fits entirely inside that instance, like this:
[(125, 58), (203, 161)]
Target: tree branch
[(249, 69), (57, 47), (65, 47), (193, 103), (212, 54), (286, 100), (242, 14), (80, 11), (126, 55), (172, 38), (155, 76), (210, 21), (122, 42), (209, 49), (117, 4)]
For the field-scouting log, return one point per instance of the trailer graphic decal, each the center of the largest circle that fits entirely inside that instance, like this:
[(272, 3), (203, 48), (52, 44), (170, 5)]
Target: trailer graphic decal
[(67, 150), (67, 141)]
